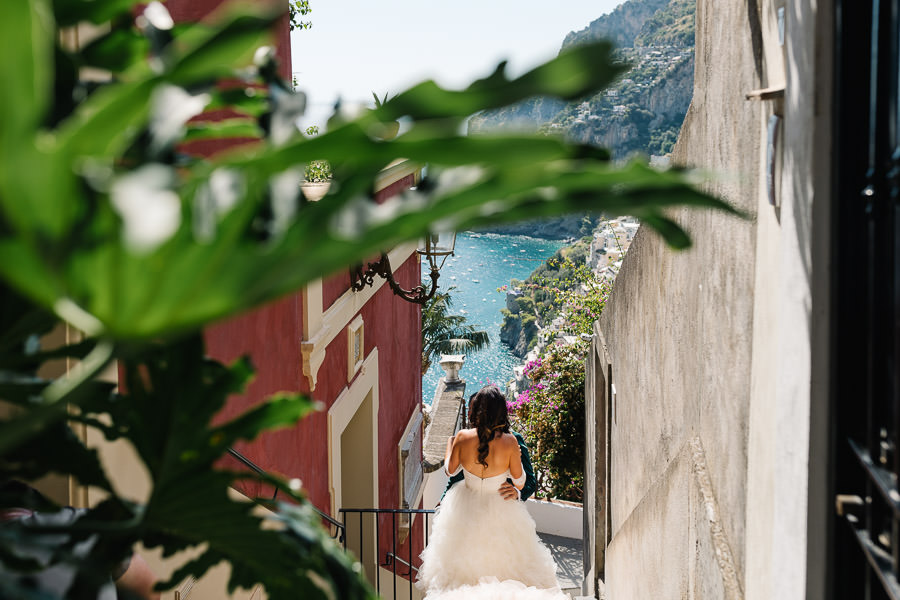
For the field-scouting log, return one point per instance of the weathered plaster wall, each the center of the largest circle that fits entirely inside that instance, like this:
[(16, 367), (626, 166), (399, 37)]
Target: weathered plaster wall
[(679, 332), (719, 354), (791, 373)]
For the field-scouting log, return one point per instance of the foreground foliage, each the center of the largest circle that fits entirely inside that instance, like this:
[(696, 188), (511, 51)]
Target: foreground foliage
[(110, 224)]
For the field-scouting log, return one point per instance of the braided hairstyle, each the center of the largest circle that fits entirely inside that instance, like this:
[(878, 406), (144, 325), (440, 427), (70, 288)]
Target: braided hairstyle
[(487, 414)]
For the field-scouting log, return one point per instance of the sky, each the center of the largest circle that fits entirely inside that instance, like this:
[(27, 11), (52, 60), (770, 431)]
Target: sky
[(356, 47)]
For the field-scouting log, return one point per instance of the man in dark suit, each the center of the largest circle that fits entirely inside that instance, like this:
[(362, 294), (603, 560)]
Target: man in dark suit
[(508, 490)]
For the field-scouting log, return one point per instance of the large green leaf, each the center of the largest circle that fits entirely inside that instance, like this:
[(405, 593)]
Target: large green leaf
[(106, 223), (574, 73), (206, 53), (178, 445), (70, 12), (117, 50), (27, 31), (105, 124), (55, 450)]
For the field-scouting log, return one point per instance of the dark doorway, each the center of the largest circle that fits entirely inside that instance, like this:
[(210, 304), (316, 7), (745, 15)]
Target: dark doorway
[(865, 557)]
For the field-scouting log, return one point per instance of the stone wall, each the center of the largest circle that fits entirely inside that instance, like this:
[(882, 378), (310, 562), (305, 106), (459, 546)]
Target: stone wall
[(678, 328), (715, 352)]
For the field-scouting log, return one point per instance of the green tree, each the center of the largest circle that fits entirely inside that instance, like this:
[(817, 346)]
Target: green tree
[(444, 333), (107, 224), (297, 9)]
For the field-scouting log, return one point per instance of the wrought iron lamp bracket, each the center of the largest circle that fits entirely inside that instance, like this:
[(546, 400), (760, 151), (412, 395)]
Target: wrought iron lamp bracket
[(360, 278)]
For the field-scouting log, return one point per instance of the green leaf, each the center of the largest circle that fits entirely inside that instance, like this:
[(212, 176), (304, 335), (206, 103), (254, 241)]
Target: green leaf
[(280, 410), (70, 12), (178, 446), (205, 53), (118, 50), (229, 128), (55, 399), (671, 231), (105, 124), (248, 101), (55, 450), (573, 74), (19, 321), (27, 31)]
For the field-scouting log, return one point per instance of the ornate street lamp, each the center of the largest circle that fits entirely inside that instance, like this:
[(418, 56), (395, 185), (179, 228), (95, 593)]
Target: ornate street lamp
[(435, 247)]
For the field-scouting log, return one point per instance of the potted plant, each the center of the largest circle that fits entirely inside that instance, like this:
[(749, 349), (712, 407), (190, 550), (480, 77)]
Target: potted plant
[(317, 175), (389, 129)]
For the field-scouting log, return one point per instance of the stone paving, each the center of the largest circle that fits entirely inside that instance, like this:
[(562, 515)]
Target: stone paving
[(567, 552)]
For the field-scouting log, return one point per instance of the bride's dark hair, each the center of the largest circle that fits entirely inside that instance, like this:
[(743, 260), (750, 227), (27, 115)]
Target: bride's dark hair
[(487, 414)]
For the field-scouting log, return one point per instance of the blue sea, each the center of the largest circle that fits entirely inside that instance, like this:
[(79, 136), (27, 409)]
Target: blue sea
[(483, 263)]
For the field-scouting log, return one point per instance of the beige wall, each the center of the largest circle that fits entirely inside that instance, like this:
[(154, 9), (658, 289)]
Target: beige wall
[(712, 349)]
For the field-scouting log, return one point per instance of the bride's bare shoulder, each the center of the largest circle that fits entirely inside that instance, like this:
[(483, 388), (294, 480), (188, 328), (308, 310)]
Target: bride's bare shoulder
[(465, 434)]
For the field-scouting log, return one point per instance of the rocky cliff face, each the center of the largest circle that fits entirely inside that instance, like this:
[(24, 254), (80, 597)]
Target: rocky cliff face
[(643, 111), (518, 331), (621, 26), (522, 116), (616, 132), (672, 97), (556, 228), (643, 118)]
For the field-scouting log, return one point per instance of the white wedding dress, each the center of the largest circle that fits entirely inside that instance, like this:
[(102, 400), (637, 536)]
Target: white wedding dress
[(485, 547)]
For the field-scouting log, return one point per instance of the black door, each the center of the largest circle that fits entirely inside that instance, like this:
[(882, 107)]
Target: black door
[(865, 553)]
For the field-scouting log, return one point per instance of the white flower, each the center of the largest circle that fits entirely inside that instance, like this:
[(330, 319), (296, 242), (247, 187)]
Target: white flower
[(172, 107), (285, 188), (158, 15), (215, 199), (150, 210)]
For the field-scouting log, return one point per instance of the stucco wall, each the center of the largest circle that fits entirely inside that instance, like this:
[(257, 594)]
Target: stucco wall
[(719, 354), (271, 336), (679, 332)]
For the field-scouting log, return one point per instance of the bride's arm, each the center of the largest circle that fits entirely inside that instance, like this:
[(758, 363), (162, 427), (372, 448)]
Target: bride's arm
[(516, 472), (451, 456)]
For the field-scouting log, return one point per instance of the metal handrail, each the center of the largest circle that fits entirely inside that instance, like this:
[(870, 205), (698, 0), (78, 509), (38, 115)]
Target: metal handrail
[(392, 556), (417, 511), (461, 416), (339, 527), (391, 559)]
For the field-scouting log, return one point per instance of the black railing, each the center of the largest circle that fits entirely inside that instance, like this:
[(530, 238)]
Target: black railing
[(460, 416), (336, 528), (391, 558)]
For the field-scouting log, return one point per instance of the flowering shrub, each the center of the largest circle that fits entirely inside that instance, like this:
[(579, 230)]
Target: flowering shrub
[(550, 414), (579, 299)]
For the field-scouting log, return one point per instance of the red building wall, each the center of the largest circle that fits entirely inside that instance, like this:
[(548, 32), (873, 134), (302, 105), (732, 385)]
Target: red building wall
[(271, 337), (194, 11)]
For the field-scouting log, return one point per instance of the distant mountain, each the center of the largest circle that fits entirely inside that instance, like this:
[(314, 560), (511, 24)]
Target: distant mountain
[(621, 26), (671, 25), (524, 116), (643, 111)]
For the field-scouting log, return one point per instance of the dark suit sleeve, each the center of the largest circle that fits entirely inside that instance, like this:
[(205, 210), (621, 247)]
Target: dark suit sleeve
[(530, 481), (455, 479)]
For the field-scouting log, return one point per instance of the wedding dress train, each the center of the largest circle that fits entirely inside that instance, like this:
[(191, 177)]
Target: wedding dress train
[(485, 547)]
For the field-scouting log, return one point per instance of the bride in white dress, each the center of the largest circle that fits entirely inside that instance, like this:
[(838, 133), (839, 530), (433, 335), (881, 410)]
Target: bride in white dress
[(482, 546)]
